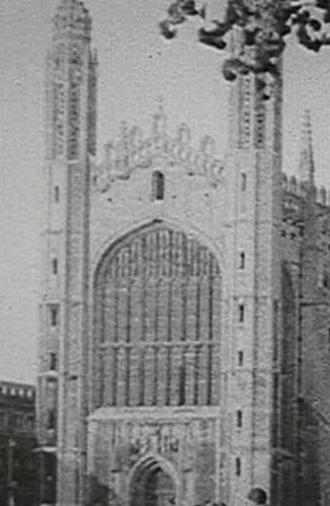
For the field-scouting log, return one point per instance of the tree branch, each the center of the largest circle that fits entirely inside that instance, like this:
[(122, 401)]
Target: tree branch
[(263, 27)]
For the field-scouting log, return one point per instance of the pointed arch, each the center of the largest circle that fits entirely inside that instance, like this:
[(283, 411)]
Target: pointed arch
[(141, 474), (157, 307)]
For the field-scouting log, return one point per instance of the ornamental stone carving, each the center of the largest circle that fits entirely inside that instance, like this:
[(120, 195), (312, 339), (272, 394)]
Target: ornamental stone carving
[(132, 151)]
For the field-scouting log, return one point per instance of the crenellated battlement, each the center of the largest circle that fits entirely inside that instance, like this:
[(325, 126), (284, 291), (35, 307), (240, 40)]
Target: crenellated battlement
[(132, 150), (303, 190)]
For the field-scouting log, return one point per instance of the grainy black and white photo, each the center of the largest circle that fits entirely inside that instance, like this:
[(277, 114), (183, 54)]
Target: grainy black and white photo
[(165, 253)]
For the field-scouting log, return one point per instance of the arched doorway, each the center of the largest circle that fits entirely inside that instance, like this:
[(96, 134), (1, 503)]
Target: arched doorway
[(152, 485)]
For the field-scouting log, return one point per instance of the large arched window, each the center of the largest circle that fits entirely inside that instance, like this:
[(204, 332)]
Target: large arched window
[(157, 321)]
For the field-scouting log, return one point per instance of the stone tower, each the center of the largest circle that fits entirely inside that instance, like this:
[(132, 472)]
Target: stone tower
[(179, 299), (70, 143), (253, 172)]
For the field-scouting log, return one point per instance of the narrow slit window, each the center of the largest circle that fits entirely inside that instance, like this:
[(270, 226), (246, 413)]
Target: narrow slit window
[(182, 386), (238, 466), (243, 182), (158, 185), (241, 313), (54, 316), (240, 358), (53, 361), (57, 193), (55, 266), (51, 422), (242, 260), (239, 418)]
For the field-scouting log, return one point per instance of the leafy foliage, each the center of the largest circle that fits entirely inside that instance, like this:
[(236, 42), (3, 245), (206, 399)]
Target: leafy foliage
[(264, 25)]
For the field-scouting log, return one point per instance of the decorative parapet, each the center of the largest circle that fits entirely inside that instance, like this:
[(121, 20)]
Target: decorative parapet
[(304, 190), (132, 151)]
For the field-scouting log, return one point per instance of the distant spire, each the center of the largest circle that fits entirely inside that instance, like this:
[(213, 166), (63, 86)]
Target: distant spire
[(306, 163)]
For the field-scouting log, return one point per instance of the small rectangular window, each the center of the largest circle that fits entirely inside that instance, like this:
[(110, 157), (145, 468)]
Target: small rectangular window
[(240, 358), (55, 266), (51, 422), (158, 185), (238, 466), (239, 418), (242, 260), (57, 193), (54, 316), (243, 182), (52, 360), (241, 313)]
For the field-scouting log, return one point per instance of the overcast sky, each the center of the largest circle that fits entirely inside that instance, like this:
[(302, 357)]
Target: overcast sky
[(136, 67)]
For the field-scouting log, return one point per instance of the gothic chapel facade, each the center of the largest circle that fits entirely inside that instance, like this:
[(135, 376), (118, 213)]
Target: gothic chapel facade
[(185, 309)]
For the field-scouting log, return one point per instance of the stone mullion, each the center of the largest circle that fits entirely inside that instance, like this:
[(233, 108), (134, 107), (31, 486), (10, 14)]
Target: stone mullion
[(150, 337), (192, 317), (211, 348), (162, 335), (143, 264), (108, 312), (175, 375), (197, 330), (162, 376), (149, 376), (150, 312), (115, 338), (204, 335), (128, 339), (184, 291), (191, 295), (177, 310), (165, 255), (202, 384), (176, 336), (169, 338), (107, 337), (156, 330), (190, 377), (128, 275), (216, 323), (121, 375), (133, 337)]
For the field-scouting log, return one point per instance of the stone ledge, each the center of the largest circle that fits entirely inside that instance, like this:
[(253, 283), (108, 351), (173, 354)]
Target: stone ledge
[(155, 413)]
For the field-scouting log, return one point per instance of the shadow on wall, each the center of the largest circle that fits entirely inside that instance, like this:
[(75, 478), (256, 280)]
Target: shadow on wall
[(100, 494)]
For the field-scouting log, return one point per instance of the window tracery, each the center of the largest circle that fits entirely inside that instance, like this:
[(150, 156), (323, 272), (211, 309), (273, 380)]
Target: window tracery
[(158, 310)]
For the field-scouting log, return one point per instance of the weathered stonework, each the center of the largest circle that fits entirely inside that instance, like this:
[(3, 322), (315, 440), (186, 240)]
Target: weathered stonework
[(186, 301)]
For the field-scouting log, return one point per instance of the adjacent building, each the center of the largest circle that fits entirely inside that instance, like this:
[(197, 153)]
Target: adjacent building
[(185, 310), (18, 477)]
